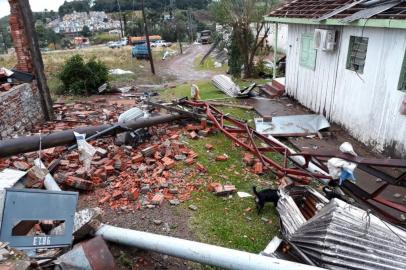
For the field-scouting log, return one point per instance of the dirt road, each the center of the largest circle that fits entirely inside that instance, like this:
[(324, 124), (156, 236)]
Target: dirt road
[(183, 66)]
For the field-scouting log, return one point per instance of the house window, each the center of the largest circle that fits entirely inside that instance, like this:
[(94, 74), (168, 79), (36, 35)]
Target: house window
[(307, 51), (357, 53), (402, 77)]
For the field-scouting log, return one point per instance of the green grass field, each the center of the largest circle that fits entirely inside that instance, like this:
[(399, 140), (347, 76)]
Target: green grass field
[(228, 222)]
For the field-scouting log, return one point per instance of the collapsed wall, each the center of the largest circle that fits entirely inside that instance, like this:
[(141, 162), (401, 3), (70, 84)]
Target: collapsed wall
[(20, 107), (20, 110)]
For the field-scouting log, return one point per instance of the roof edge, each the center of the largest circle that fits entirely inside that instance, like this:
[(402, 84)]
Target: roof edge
[(379, 23)]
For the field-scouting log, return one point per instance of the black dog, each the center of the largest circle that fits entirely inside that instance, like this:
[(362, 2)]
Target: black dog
[(265, 195)]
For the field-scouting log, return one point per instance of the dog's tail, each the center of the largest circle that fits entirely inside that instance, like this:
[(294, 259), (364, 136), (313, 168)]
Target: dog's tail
[(254, 189)]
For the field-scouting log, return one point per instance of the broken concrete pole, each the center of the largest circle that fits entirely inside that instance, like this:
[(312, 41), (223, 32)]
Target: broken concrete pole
[(198, 252), (49, 182), (31, 143)]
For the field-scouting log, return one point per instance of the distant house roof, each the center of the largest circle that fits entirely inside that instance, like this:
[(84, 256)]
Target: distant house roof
[(344, 11)]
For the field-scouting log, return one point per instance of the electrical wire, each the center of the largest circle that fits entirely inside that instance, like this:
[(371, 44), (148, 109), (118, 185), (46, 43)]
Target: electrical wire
[(401, 239)]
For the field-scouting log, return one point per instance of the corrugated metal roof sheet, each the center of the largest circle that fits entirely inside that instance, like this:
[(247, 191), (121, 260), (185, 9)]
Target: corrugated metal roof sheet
[(314, 9), (342, 236)]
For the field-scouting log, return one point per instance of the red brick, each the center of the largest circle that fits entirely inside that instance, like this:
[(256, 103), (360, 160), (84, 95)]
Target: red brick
[(79, 183), (203, 123), (258, 168), (189, 161), (21, 165), (221, 158), (209, 146), (117, 194), (134, 194), (109, 169), (157, 199), (200, 167), (168, 162), (212, 187), (105, 199), (249, 159), (138, 158)]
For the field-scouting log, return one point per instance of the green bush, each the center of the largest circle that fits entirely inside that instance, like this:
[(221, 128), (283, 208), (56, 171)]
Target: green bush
[(81, 78)]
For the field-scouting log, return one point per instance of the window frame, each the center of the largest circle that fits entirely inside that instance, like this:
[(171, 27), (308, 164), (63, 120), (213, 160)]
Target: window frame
[(307, 56), (402, 75), (352, 42)]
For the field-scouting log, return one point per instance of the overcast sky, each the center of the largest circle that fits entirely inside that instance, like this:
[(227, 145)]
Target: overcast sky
[(36, 5)]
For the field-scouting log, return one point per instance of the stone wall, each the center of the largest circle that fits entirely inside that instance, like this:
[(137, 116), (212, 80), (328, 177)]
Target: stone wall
[(20, 110)]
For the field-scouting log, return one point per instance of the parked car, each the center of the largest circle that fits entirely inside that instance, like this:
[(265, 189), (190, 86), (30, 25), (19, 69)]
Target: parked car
[(204, 37), (118, 44), (140, 51), (161, 43)]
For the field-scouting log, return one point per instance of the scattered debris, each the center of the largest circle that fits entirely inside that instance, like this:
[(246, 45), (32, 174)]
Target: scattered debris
[(90, 255), (242, 194), (295, 125), (118, 71), (226, 85), (221, 190)]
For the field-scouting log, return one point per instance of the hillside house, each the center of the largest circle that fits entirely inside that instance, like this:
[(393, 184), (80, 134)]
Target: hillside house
[(346, 60)]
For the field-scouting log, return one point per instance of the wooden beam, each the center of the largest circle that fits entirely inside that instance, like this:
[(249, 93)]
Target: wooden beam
[(37, 63)]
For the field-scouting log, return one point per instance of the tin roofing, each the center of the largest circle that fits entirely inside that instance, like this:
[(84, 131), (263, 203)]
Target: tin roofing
[(342, 9)]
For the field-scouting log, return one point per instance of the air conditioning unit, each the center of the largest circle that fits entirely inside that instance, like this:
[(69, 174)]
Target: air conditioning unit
[(324, 39)]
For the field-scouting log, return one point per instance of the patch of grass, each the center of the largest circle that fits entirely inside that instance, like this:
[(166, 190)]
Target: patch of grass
[(207, 91), (208, 64), (230, 222)]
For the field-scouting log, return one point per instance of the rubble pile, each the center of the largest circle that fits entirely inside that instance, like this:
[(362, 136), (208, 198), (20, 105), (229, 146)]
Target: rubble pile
[(122, 176)]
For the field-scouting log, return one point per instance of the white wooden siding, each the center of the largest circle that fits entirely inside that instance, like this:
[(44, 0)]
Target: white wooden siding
[(367, 104)]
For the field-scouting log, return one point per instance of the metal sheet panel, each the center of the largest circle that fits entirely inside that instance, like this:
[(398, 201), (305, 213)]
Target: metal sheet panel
[(342, 236), (292, 124), (369, 12), (30, 204), (339, 10)]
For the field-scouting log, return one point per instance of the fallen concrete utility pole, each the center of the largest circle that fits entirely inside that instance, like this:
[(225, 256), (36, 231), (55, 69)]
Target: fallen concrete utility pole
[(32, 143), (198, 252)]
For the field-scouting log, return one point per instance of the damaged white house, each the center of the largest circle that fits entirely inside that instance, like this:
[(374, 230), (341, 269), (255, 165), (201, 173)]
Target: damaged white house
[(346, 59)]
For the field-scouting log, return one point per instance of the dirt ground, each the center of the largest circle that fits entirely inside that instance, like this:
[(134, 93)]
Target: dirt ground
[(182, 66), (166, 220)]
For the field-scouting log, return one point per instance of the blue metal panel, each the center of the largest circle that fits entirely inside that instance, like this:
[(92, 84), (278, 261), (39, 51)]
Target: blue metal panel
[(31, 204)]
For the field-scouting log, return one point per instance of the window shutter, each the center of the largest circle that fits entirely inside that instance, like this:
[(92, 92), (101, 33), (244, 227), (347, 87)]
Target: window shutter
[(307, 51)]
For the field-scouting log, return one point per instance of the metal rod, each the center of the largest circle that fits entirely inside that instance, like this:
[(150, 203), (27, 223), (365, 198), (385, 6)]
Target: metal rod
[(275, 52), (198, 252), (31, 143)]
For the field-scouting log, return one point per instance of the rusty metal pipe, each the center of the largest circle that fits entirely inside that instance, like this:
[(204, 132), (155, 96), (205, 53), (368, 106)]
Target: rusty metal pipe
[(32, 143)]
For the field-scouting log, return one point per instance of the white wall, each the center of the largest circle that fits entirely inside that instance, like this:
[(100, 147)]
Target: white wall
[(282, 37), (367, 104)]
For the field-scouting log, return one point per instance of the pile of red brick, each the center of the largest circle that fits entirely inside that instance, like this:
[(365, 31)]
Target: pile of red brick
[(121, 176)]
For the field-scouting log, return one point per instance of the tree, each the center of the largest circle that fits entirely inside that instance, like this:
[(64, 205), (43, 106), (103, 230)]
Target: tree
[(245, 17), (76, 5), (234, 59), (86, 31)]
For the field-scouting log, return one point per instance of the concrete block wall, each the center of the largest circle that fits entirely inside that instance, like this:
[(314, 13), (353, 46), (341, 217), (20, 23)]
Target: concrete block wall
[(20, 110)]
